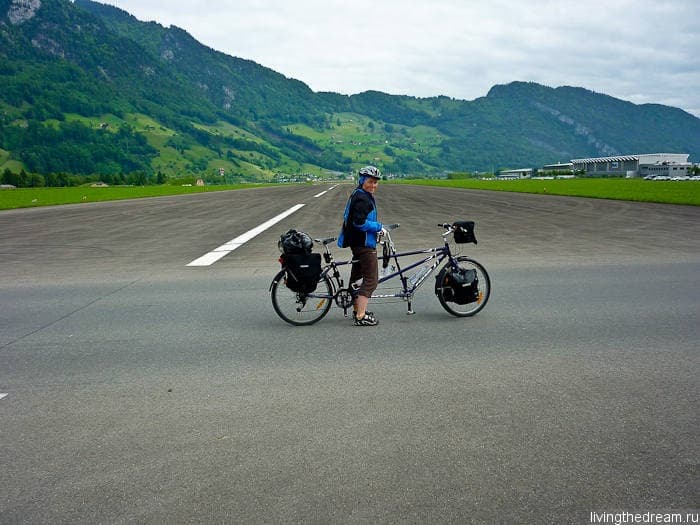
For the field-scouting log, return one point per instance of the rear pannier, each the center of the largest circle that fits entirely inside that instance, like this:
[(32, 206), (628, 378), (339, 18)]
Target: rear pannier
[(303, 271), (295, 242), (302, 267)]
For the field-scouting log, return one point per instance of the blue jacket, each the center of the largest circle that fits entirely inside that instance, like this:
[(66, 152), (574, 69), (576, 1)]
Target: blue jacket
[(360, 225)]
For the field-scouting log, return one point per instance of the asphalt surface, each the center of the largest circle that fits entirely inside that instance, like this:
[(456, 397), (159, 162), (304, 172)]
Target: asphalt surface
[(143, 390)]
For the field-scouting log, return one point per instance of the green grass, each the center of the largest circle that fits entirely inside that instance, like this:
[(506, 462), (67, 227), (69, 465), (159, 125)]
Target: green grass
[(668, 192), (6, 163), (31, 197), (350, 134)]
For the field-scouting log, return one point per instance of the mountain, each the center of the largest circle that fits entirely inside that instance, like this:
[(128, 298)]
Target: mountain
[(89, 89)]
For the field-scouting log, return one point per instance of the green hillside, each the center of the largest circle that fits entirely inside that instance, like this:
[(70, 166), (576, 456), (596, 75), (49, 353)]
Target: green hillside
[(91, 93)]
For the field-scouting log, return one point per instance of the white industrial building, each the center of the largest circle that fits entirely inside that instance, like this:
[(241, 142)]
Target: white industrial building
[(522, 173), (558, 167), (668, 164)]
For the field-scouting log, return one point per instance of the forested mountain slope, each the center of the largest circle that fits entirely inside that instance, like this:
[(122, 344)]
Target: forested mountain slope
[(89, 89)]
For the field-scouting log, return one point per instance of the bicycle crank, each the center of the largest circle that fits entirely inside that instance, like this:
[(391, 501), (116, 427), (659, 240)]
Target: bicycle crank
[(344, 299)]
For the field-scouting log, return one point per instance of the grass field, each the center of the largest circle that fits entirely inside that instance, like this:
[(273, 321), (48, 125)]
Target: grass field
[(30, 197), (669, 192)]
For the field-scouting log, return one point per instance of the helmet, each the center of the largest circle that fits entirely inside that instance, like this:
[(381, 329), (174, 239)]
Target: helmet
[(368, 171), (294, 242)]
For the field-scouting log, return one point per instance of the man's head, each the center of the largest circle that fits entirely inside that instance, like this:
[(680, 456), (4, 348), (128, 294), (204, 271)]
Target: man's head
[(371, 175)]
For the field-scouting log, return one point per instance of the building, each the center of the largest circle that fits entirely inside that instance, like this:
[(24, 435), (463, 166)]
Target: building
[(523, 173), (634, 165), (666, 170), (559, 167)]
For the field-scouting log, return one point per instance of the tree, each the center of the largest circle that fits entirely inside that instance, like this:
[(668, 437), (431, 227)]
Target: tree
[(9, 178), (34, 180)]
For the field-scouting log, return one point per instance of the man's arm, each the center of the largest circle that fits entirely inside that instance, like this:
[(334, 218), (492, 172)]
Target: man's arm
[(360, 211)]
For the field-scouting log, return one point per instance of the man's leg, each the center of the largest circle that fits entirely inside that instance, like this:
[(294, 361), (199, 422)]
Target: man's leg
[(368, 263), (361, 303)]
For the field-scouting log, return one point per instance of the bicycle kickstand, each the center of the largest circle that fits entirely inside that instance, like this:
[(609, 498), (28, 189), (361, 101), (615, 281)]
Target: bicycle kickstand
[(410, 311)]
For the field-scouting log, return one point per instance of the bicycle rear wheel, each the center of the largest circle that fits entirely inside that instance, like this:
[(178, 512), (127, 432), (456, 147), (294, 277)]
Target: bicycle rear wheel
[(297, 308), (482, 295)]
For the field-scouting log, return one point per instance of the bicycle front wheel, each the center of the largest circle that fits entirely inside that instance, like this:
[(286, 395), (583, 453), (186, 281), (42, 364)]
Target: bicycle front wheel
[(301, 309), (482, 294)]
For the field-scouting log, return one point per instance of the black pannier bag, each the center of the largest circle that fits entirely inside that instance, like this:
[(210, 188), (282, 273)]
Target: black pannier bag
[(464, 232), (293, 242), (465, 286), (303, 271), (443, 285), (459, 286)]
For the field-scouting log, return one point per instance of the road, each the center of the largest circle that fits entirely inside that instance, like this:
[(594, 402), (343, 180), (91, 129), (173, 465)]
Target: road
[(143, 390)]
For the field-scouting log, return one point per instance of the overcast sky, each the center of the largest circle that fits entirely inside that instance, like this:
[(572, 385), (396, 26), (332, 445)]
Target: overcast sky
[(641, 51)]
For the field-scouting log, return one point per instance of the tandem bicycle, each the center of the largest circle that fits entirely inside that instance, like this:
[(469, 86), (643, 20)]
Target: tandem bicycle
[(462, 284)]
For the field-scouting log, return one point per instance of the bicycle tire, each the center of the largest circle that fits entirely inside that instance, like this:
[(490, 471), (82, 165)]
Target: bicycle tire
[(300, 309), (469, 309)]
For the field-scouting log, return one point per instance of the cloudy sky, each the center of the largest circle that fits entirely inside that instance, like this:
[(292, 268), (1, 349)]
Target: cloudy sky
[(637, 50)]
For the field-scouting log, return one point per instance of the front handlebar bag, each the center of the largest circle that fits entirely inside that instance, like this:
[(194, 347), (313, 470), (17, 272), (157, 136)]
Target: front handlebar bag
[(464, 232)]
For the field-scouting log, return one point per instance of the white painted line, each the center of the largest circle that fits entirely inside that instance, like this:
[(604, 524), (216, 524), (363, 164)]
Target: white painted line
[(3, 395), (326, 191), (226, 248), (208, 259)]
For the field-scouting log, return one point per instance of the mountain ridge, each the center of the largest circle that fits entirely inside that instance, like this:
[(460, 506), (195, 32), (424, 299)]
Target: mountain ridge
[(185, 108)]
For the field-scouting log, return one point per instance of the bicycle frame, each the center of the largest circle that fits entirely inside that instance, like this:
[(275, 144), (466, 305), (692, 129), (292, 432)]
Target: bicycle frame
[(439, 254), (408, 288)]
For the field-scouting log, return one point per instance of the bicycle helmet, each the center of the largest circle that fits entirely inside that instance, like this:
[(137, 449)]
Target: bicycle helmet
[(295, 242), (368, 171)]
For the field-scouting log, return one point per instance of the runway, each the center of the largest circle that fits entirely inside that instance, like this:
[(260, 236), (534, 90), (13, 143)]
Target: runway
[(138, 388)]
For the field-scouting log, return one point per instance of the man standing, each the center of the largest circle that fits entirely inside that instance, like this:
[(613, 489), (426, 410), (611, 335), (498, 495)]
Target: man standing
[(360, 229)]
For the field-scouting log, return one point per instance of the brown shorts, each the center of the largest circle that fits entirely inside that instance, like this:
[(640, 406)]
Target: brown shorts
[(365, 268)]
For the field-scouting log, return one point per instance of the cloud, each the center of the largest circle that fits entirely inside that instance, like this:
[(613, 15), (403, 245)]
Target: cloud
[(642, 51)]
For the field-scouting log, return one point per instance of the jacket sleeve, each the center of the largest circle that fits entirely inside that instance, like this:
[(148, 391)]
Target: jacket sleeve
[(360, 213)]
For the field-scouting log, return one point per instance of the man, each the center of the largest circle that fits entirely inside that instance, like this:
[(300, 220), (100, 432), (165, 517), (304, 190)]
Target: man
[(360, 229)]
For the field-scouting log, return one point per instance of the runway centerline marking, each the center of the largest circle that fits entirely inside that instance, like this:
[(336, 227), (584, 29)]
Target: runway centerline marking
[(218, 253)]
